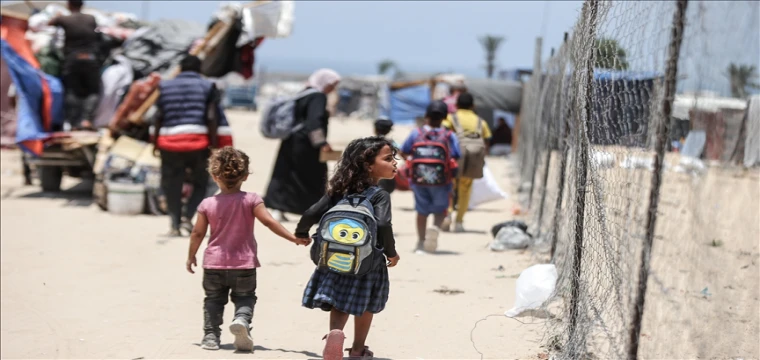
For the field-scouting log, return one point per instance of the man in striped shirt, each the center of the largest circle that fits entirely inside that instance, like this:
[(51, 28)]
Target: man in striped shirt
[(190, 122)]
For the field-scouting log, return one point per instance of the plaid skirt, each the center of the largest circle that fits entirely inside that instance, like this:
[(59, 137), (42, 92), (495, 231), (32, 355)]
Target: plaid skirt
[(353, 295)]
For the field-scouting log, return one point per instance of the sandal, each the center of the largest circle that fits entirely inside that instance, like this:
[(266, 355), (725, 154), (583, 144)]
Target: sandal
[(366, 354), (333, 345)]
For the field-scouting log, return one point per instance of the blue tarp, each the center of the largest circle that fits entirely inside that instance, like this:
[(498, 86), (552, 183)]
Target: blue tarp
[(30, 96), (408, 104)]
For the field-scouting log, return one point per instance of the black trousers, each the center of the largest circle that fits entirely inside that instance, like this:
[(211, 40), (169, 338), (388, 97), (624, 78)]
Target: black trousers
[(174, 170), (222, 285), (81, 80)]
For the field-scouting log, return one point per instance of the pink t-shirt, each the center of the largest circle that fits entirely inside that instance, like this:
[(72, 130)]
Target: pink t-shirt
[(232, 244)]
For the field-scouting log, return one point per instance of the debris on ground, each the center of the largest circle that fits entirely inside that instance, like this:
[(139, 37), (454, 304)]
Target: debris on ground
[(511, 237), (446, 291)]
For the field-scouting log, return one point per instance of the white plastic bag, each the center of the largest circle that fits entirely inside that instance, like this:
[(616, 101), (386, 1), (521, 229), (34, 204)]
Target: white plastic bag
[(485, 190), (274, 19), (510, 237), (534, 286)]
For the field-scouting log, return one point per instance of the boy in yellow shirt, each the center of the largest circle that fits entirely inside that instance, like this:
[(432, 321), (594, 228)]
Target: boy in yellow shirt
[(468, 120)]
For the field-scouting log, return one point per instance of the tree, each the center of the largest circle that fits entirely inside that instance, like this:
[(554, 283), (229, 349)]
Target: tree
[(385, 66), (491, 44), (742, 77), (610, 55)]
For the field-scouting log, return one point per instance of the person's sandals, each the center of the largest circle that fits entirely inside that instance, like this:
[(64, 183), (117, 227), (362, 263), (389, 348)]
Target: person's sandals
[(210, 342), (431, 239), (333, 345), (365, 355), (243, 339)]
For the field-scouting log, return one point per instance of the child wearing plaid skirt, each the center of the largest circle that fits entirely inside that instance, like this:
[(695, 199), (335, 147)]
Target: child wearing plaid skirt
[(364, 163)]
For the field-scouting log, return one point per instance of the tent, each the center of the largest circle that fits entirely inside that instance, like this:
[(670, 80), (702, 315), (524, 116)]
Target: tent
[(491, 94), (408, 103), (408, 100)]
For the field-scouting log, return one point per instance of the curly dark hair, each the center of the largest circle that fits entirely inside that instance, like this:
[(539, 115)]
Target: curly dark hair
[(351, 175), (229, 165)]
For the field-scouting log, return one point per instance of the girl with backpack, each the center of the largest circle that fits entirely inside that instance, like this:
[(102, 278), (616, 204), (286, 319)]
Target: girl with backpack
[(352, 244)]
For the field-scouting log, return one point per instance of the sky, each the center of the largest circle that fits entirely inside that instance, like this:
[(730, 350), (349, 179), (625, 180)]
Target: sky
[(420, 36)]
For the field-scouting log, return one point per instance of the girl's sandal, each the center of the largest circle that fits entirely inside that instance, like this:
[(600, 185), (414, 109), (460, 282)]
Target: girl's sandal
[(366, 354), (333, 345)]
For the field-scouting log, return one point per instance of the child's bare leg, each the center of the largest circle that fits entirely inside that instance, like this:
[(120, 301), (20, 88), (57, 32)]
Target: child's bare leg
[(421, 227), (338, 319), (438, 219), (361, 330)]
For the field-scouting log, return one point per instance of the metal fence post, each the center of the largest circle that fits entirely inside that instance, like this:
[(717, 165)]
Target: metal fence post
[(663, 127), (563, 148), (583, 159)]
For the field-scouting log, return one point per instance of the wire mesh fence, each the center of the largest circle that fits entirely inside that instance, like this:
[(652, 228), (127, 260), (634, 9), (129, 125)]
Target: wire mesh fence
[(629, 138)]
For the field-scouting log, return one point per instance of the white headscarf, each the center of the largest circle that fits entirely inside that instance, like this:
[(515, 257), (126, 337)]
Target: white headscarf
[(321, 78)]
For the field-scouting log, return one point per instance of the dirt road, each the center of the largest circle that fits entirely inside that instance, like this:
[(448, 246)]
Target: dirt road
[(78, 282)]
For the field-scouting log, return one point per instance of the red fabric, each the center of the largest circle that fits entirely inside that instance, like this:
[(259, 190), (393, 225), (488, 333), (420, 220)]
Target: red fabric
[(401, 179), (183, 143), (248, 57), (138, 92), (224, 140), (189, 142)]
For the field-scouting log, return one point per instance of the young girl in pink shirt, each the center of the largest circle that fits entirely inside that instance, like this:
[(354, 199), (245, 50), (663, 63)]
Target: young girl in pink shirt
[(230, 262)]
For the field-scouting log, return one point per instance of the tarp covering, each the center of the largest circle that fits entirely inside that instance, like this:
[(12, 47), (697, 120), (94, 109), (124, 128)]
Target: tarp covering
[(161, 46), (7, 113), (39, 96), (493, 95), (408, 104)]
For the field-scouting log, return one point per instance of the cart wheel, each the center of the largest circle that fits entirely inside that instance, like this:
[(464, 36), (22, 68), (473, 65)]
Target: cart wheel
[(50, 178)]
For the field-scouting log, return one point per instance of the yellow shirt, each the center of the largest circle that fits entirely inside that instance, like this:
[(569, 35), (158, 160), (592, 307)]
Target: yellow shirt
[(469, 122)]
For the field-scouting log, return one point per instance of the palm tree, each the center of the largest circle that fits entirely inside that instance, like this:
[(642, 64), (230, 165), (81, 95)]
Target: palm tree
[(610, 55), (385, 66), (491, 44), (741, 78)]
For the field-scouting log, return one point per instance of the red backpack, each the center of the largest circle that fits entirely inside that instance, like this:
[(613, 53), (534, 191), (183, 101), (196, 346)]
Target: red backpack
[(431, 158)]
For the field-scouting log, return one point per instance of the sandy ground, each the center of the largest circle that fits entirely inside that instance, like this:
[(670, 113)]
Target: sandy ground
[(78, 282)]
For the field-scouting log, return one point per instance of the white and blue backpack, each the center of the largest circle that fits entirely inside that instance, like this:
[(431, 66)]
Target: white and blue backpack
[(346, 240)]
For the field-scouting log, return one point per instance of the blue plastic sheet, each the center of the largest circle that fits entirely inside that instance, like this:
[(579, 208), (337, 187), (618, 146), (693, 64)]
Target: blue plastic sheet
[(408, 104), (30, 96)]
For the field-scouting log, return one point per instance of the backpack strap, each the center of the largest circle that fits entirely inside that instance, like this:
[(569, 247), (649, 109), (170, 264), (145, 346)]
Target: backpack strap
[(421, 133), (356, 199), (455, 122), (302, 94)]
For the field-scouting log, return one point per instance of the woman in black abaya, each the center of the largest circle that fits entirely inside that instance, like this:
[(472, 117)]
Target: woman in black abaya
[(299, 179)]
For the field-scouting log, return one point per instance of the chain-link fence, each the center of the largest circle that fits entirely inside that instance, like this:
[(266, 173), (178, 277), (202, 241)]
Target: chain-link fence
[(629, 138)]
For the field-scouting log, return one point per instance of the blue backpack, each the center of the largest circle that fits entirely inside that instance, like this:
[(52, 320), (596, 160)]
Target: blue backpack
[(346, 240)]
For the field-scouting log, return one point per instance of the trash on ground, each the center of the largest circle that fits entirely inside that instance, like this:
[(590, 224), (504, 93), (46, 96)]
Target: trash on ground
[(510, 237), (534, 286), (517, 223), (446, 291)]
